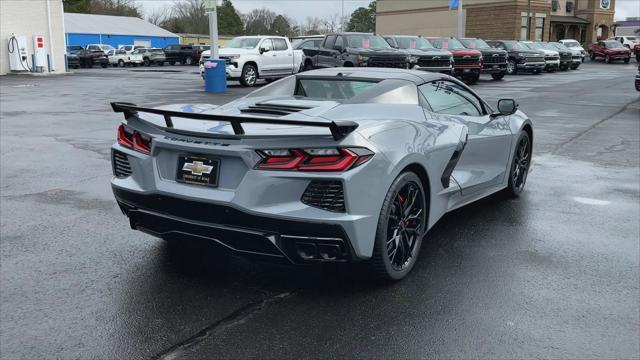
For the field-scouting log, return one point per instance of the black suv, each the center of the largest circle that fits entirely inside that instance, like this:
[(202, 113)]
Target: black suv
[(87, 58), (521, 57), (422, 54), (494, 61), (177, 53)]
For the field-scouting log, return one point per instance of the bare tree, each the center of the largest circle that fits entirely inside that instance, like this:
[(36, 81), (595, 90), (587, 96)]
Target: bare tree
[(159, 16), (331, 24), (191, 15), (312, 26)]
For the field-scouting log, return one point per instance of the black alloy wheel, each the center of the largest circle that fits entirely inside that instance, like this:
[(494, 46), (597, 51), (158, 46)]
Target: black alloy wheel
[(147, 62), (401, 227), (520, 166)]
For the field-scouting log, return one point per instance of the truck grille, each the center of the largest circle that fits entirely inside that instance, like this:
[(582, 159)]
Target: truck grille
[(500, 59), (429, 61), (535, 59), (466, 60), (551, 58), (227, 61), (327, 195), (387, 62), (120, 164), (566, 57)]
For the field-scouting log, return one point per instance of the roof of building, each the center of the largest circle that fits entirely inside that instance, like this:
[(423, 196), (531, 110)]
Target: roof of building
[(568, 19), (627, 23), (111, 25)]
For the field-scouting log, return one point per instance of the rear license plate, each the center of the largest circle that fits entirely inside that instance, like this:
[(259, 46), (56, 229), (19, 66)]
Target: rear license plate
[(466, 70), (198, 170)]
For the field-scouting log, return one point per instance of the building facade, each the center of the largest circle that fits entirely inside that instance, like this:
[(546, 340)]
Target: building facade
[(29, 19), (84, 29), (548, 20)]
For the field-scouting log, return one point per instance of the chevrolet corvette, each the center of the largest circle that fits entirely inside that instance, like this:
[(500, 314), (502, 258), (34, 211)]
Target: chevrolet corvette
[(330, 165)]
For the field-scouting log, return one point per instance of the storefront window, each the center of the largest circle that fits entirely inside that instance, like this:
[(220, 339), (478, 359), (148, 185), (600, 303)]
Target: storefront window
[(539, 28)]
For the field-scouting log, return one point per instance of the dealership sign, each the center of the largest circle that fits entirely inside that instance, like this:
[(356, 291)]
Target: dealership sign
[(605, 4)]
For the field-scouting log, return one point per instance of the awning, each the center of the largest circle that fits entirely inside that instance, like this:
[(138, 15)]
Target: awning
[(568, 20)]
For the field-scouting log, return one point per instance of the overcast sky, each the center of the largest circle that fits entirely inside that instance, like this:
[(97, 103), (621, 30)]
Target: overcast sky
[(301, 9)]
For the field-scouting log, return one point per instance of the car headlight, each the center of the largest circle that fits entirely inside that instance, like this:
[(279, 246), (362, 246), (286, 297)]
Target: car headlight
[(522, 55), (233, 57)]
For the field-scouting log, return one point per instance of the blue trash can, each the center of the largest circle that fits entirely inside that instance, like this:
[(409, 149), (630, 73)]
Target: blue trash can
[(215, 76)]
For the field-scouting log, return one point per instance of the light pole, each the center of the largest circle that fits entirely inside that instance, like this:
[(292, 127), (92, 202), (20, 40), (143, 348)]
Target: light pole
[(210, 8), (528, 19)]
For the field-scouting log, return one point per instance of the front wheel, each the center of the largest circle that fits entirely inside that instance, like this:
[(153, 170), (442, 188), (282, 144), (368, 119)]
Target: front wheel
[(121, 63), (511, 67), (188, 60), (626, 61), (497, 76), (592, 56), (472, 79), (607, 59), (104, 65), (249, 75), (519, 166), (400, 229), (146, 62)]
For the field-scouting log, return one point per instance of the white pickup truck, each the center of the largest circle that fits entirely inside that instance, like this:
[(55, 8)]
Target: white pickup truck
[(249, 58)]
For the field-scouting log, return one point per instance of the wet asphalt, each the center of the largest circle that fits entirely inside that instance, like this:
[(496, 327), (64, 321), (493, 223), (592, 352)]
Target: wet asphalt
[(553, 274)]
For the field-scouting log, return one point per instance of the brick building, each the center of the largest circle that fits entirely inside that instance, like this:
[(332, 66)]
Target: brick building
[(583, 20)]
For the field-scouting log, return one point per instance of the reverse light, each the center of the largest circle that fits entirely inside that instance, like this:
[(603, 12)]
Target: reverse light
[(134, 139), (313, 159)]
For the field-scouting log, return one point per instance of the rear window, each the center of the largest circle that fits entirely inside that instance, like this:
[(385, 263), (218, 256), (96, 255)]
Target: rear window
[(331, 89)]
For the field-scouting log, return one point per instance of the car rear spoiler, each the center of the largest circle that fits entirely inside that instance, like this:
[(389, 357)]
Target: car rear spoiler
[(339, 129)]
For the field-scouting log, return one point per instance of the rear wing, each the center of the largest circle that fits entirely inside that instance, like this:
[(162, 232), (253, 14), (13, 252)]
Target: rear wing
[(339, 129)]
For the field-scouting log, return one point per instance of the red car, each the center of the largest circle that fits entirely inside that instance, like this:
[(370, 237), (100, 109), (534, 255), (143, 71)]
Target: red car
[(467, 63), (610, 50)]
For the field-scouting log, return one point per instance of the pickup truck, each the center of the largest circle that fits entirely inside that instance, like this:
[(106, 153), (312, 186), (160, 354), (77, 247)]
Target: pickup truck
[(494, 61), (467, 63), (422, 54), (627, 41), (354, 49), (610, 50), (183, 54), (249, 58), (521, 57)]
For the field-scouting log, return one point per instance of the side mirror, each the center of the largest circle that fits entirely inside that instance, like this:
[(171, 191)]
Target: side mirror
[(506, 107), (264, 49)]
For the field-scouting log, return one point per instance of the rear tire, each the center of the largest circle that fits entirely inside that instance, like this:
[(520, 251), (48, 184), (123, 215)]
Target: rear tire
[(520, 165), (146, 62), (399, 236), (188, 60), (121, 63)]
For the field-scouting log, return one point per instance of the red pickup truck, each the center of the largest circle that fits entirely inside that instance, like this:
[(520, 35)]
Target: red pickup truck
[(610, 50), (467, 63)]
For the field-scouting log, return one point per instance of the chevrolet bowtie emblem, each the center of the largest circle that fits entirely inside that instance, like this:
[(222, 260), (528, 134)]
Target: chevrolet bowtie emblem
[(466, 56), (496, 55), (197, 168), (436, 57)]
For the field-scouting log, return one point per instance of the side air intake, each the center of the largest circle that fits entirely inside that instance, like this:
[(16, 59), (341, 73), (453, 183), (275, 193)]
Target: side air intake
[(326, 195)]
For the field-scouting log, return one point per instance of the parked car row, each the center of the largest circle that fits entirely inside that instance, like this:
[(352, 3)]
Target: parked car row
[(249, 58), (132, 55)]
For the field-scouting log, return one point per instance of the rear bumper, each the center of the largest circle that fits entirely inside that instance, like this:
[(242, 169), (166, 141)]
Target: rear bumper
[(287, 241)]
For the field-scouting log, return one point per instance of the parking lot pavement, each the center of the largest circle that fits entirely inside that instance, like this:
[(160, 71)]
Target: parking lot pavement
[(552, 274)]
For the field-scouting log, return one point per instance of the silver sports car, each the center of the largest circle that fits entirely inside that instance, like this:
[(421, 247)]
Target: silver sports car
[(332, 165)]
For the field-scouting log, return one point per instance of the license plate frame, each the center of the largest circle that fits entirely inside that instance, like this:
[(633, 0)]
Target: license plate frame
[(198, 170)]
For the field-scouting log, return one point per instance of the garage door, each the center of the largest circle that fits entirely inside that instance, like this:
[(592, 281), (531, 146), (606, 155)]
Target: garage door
[(145, 43)]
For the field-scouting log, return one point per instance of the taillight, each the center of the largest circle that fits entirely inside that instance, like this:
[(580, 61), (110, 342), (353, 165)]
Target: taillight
[(313, 159), (134, 139)]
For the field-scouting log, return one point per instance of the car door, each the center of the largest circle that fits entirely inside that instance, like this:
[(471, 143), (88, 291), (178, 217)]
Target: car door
[(268, 58), (338, 48), (284, 56), (484, 160), (326, 52)]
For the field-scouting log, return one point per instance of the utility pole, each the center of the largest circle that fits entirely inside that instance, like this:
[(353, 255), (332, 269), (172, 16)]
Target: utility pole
[(342, 18), (460, 32), (528, 19), (210, 7)]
